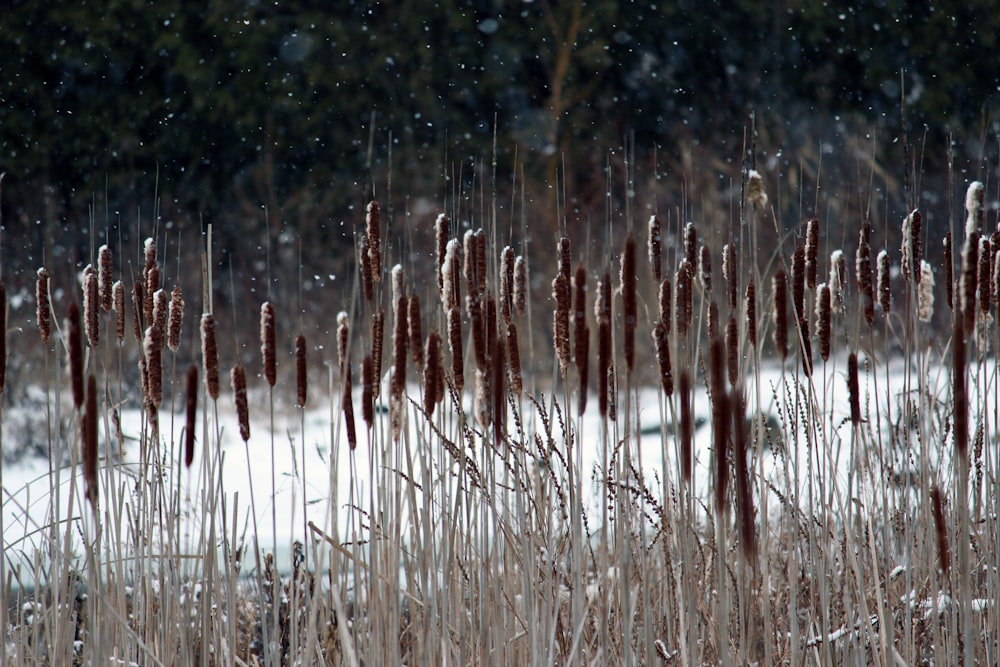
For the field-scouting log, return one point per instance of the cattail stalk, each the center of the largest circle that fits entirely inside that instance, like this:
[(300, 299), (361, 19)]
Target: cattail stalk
[(400, 338), (949, 270), (75, 353), (44, 307), (721, 421), (238, 378), (602, 313), (138, 299), (940, 530), (455, 343), (730, 274), (210, 357), (191, 405), (514, 360), (985, 275), (661, 347), (301, 380)]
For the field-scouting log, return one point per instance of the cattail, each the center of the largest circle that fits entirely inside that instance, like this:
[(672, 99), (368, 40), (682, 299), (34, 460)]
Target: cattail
[(883, 282), (175, 319), (367, 392), (450, 296), (853, 388), (684, 297), (491, 323), (630, 306), (442, 230), (780, 288), (712, 320), (949, 270), (480, 246), (581, 333), (138, 299), (985, 275), (152, 346), (687, 427), (210, 357), (91, 307), (925, 293), (602, 313), (520, 286), (152, 284), (378, 338), (666, 304), (974, 205), (367, 280), (733, 350), (416, 335), (507, 284), (744, 494), (44, 308), (514, 360), (469, 261), (191, 411), (864, 273), (400, 338), (838, 280), (482, 406), (477, 320), (238, 378), (755, 190), (661, 347), (455, 343), (941, 530), (398, 287), (812, 252), (691, 244), (89, 438), (910, 250), (996, 277), (144, 380), (612, 393), (560, 321), (3, 337), (105, 269), (705, 269), (149, 253), (654, 247), (433, 374), (373, 231), (721, 421), (959, 394), (118, 297), (347, 402), (969, 282), (751, 308), (267, 342), (565, 254), (301, 381), (161, 308), (75, 352), (730, 274), (799, 283), (823, 321), (499, 392)]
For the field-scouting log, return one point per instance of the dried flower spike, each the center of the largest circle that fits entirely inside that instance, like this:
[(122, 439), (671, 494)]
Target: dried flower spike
[(520, 286), (191, 410), (238, 378), (442, 230), (44, 308), (75, 354), (756, 196), (812, 252), (301, 379), (374, 232), (267, 342), (90, 305), (175, 319), (925, 293), (654, 246), (105, 279), (210, 356)]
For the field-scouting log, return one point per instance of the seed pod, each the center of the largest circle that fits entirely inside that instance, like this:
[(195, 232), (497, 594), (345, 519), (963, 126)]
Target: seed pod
[(373, 230), (442, 230), (348, 405), (666, 304), (416, 334), (175, 319), (705, 268), (238, 378), (756, 196), (378, 339), (152, 348), (974, 205), (161, 308), (925, 293), (560, 321), (151, 286), (90, 305), (89, 438), (400, 338), (367, 392), (733, 350), (941, 530), (450, 296), (691, 244), (105, 269), (799, 283), (730, 274), (985, 275), (565, 255), (268, 343), (301, 380), (687, 427), (210, 356), (662, 349), (520, 286), (823, 321), (838, 280), (853, 388), (455, 343), (191, 411), (44, 308), (433, 374), (118, 296), (721, 422), (780, 288), (343, 336), (751, 309), (514, 360), (654, 247), (507, 284), (367, 279), (812, 252), (884, 288)]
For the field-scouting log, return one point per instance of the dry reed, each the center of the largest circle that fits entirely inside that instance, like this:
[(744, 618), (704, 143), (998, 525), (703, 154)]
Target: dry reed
[(949, 269), (138, 320)]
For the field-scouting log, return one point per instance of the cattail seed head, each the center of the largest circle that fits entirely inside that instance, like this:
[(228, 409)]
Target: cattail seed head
[(705, 269), (367, 391), (268, 343), (161, 309), (90, 305), (210, 357), (612, 386), (343, 337), (450, 296), (661, 347), (751, 309), (398, 286), (683, 298), (712, 320), (666, 304), (565, 255), (151, 286), (442, 231), (985, 275), (691, 244), (959, 393), (373, 230), (910, 250), (721, 421), (780, 288), (974, 205), (89, 440), (455, 343), (996, 276), (883, 282), (520, 286), (499, 391), (238, 378), (514, 360), (378, 338), (969, 281), (400, 338), (416, 334), (105, 278), (152, 348), (433, 374), (477, 320), (602, 313), (687, 427), (630, 304), (838, 280), (347, 402), (469, 262), (853, 388), (733, 350), (191, 410), (925, 293), (560, 320), (44, 307), (654, 246), (823, 320), (301, 379), (581, 334), (149, 254), (367, 280), (745, 514), (812, 252), (507, 284), (799, 283), (941, 530), (864, 274), (730, 274), (118, 296), (175, 319), (75, 353), (756, 196)]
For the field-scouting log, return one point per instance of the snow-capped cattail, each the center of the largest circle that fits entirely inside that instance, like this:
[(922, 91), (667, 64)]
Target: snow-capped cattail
[(925, 293), (378, 338), (654, 247), (985, 275), (940, 530), (630, 307), (267, 343), (89, 438), (705, 268), (175, 318), (661, 346), (838, 280), (812, 252), (238, 378), (730, 274), (823, 320), (105, 277), (751, 309), (373, 230), (756, 196), (450, 291), (91, 307), (442, 231), (149, 254), (118, 297), (210, 356), (367, 280), (400, 338), (949, 269), (560, 320), (367, 392), (398, 286), (733, 350), (520, 286), (883, 281), (507, 284), (853, 388), (75, 354), (691, 245), (152, 346), (152, 284), (514, 360), (780, 289), (161, 309), (43, 305), (190, 413), (138, 299), (974, 205), (415, 330), (301, 379), (433, 374), (455, 343), (910, 250), (666, 304)]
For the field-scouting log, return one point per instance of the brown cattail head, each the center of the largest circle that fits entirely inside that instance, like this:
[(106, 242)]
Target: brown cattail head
[(398, 286), (565, 254), (75, 353), (118, 299), (373, 230), (415, 330), (560, 320), (812, 252), (378, 339), (433, 374), (925, 293), (612, 385), (161, 308), (853, 388), (751, 309), (450, 294), (455, 343), (210, 357), (149, 254), (863, 270), (823, 320), (514, 360), (780, 288), (138, 299), (733, 350), (691, 245), (975, 198), (105, 277), (191, 405), (175, 319), (367, 391), (347, 401), (683, 298), (469, 262), (442, 232), (940, 530), (480, 247), (712, 320), (499, 358), (152, 284), (343, 336), (654, 246), (666, 304), (89, 440), (602, 313), (969, 282), (985, 275), (911, 249), (730, 274), (661, 347), (705, 268), (268, 343), (477, 320), (630, 303), (996, 276), (520, 286), (238, 378), (687, 427), (581, 334), (799, 283), (721, 422), (152, 346), (91, 307), (949, 269), (883, 282), (756, 196), (959, 394), (301, 379), (838, 280), (507, 284), (745, 514), (367, 280), (44, 308), (400, 338)]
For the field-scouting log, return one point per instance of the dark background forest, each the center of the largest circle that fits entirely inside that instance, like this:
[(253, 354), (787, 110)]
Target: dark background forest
[(277, 122)]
